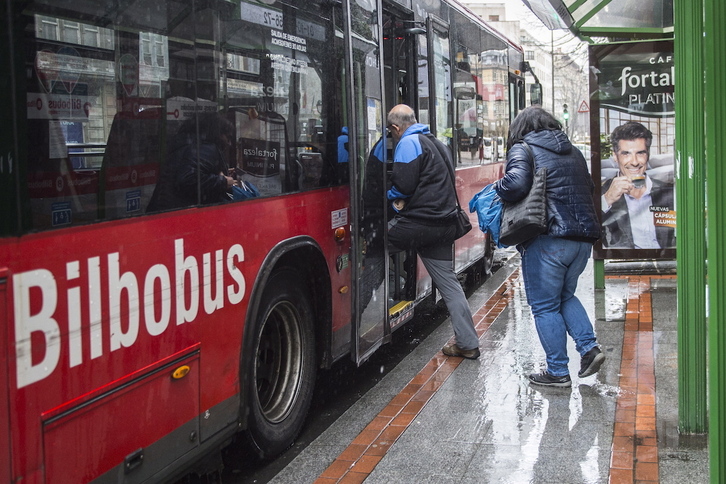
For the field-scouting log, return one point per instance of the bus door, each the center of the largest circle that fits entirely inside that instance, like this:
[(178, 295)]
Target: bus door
[(417, 66), (439, 82), (400, 32), (401, 35), (363, 117)]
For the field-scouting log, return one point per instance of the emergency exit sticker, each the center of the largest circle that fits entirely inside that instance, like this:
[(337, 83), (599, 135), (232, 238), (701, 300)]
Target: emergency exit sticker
[(61, 214), (339, 218)]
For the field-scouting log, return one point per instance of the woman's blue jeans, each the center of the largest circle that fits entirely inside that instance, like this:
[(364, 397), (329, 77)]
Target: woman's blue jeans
[(551, 267)]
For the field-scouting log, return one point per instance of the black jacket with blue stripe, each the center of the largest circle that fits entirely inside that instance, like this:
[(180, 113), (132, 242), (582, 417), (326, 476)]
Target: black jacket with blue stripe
[(422, 179)]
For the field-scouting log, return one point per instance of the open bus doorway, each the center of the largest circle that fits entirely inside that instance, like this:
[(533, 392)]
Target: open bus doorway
[(386, 286), (402, 36)]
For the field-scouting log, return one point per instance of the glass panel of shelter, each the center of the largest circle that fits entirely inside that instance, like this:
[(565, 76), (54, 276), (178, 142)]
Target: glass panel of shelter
[(631, 14)]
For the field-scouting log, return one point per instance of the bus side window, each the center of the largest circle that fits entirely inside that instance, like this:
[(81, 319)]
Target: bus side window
[(59, 195), (262, 157), (311, 169), (131, 163)]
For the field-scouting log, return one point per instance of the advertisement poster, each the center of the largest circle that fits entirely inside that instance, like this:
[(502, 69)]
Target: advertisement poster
[(632, 134)]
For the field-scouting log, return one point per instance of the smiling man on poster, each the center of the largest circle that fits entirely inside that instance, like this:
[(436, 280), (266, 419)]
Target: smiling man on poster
[(636, 208)]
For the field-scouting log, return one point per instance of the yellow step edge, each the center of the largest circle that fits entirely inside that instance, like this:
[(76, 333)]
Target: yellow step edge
[(397, 308)]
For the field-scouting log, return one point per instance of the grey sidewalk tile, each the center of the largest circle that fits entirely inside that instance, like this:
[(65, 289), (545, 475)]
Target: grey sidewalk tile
[(432, 458), (609, 334), (500, 464), (537, 464), (683, 465), (682, 458), (307, 469)]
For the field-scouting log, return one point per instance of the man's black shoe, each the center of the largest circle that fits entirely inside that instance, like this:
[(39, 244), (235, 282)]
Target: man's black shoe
[(545, 379), (591, 362), (454, 350)]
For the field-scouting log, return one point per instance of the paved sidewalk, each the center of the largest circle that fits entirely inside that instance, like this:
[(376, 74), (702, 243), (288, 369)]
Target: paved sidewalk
[(435, 419)]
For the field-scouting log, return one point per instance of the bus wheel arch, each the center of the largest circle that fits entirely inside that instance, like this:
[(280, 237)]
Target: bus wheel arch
[(284, 338)]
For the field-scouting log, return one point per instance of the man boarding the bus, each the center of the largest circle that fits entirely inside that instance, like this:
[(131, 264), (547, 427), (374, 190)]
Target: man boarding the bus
[(424, 199)]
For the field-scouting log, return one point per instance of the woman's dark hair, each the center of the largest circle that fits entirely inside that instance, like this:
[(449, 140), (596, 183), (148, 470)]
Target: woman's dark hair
[(530, 119)]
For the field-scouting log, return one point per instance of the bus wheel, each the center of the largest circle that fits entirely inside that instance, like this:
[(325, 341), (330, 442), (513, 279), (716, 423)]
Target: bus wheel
[(281, 375)]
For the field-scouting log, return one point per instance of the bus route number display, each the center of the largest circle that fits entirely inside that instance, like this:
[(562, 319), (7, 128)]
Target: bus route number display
[(262, 16)]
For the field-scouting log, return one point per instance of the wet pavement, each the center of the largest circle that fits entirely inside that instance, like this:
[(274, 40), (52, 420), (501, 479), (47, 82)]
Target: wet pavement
[(436, 419)]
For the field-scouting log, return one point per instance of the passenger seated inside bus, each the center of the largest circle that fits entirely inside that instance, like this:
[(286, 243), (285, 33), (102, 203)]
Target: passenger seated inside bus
[(197, 174)]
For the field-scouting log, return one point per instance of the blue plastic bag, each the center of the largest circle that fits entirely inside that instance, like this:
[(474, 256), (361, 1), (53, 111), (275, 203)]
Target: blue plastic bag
[(488, 207), (244, 191)]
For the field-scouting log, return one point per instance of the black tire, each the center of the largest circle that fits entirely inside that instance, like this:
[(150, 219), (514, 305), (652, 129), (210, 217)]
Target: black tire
[(281, 373)]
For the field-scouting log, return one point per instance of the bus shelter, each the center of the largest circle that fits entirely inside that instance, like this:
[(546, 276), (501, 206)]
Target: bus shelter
[(695, 27)]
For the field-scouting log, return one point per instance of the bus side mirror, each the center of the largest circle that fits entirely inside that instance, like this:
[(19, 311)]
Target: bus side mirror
[(535, 94)]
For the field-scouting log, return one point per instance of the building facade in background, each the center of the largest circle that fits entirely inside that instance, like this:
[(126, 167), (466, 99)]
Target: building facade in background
[(558, 61)]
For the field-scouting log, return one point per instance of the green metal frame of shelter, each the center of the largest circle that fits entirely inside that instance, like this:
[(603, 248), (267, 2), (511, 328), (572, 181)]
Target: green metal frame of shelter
[(700, 40)]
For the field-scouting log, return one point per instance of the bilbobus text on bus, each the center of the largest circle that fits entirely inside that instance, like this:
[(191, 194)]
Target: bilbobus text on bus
[(194, 216)]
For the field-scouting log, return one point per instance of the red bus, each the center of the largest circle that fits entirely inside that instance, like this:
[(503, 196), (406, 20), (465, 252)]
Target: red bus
[(148, 317)]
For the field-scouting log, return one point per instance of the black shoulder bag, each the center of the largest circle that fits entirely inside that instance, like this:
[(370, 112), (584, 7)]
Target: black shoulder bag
[(463, 224), (527, 218)]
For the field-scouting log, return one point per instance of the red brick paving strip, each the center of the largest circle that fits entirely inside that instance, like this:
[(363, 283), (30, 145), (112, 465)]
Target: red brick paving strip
[(359, 459), (635, 448)]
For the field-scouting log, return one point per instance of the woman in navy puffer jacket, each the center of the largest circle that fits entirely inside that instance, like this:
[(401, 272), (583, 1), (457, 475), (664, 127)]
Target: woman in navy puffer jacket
[(552, 262)]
